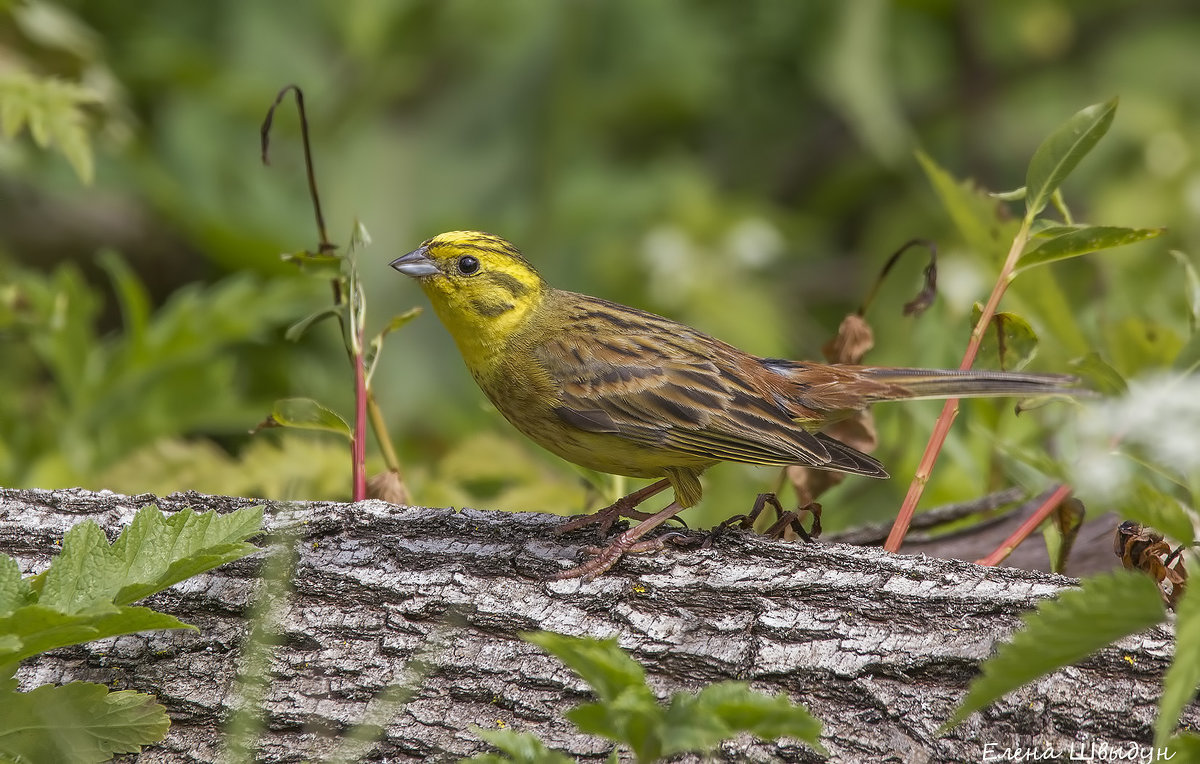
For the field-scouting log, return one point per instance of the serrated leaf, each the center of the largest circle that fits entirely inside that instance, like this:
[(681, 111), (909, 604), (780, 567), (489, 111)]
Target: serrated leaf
[(720, 711), (79, 722), (159, 550), (307, 414), (181, 570), (1099, 376), (52, 110), (521, 747), (1065, 242), (1062, 151), (83, 574), (297, 330), (154, 552), (1066, 630), (1183, 677), (1008, 338), (40, 628), (975, 214), (599, 662), (14, 590), (1165, 514)]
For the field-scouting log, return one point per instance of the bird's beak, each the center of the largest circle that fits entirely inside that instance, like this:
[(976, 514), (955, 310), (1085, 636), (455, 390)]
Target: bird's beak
[(416, 264)]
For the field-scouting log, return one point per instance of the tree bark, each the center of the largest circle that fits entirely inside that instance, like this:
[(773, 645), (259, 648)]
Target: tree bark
[(880, 647)]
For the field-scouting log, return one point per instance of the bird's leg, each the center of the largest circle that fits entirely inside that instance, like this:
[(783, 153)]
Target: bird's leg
[(622, 507), (626, 542), (783, 519), (793, 519)]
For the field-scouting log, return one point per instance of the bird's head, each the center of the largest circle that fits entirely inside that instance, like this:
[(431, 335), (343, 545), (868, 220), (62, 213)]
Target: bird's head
[(481, 287)]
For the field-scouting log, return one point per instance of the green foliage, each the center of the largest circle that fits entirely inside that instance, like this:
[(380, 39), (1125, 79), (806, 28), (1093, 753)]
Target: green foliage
[(307, 414), (78, 722), (54, 113), (1062, 151), (288, 465), (1065, 630), (487, 469), (1183, 678), (1056, 243), (629, 714), (1159, 510), (169, 372), (1133, 424), (1009, 343), (84, 595), (517, 747)]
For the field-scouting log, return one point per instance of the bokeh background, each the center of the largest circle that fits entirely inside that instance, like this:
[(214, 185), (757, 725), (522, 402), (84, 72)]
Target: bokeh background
[(743, 167)]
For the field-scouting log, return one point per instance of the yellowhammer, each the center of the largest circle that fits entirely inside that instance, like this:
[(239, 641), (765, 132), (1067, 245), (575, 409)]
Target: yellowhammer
[(623, 391)]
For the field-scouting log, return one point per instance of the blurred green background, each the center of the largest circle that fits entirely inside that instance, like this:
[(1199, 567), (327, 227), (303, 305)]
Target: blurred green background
[(743, 167)]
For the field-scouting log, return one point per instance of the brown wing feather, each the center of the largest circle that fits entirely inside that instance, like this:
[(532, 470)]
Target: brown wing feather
[(657, 382)]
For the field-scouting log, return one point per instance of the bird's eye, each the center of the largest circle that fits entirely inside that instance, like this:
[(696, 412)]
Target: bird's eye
[(467, 265)]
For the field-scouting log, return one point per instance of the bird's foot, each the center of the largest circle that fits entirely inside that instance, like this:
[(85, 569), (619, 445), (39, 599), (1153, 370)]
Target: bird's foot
[(783, 520), (627, 542), (622, 507)]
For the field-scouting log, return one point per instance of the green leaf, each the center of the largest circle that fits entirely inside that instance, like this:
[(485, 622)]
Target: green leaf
[(975, 213), (322, 261), (520, 747), (297, 330), (720, 711), (84, 574), (1138, 345), (37, 628), (1016, 195), (1062, 151), (633, 717), (78, 722), (1066, 630), (154, 552), (399, 320), (599, 662), (1065, 242), (307, 414), (1192, 281), (1162, 512), (1183, 677), (14, 590), (132, 297), (1187, 743), (53, 111), (1099, 376), (1188, 358), (159, 550), (1009, 339)]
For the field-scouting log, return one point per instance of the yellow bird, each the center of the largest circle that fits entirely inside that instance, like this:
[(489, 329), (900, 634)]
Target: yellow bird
[(623, 391)]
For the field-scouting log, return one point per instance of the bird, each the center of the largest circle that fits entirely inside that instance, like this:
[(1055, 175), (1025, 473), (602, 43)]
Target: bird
[(627, 392)]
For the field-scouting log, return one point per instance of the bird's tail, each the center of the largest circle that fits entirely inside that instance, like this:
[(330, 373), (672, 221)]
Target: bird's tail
[(946, 383)]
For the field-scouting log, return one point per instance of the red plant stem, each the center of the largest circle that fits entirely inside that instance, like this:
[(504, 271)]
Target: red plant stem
[(1029, 526), (359, 452), (950, 410)]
